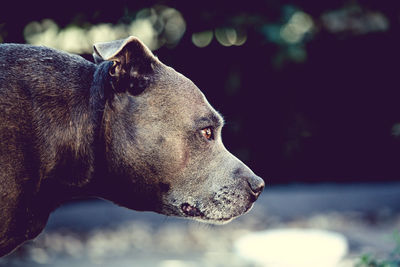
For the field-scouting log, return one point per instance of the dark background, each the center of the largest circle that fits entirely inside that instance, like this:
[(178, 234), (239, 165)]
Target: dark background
[(325, 108)]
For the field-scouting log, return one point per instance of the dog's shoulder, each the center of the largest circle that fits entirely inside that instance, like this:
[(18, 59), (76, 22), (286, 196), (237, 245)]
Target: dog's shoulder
[(17, 53), (37, 69), (36, 62)]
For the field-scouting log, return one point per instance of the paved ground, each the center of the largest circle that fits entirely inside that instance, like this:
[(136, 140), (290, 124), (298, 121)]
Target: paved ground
[(97, 233)]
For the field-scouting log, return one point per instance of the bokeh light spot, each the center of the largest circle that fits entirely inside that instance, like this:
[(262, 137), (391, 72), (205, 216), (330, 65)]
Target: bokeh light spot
[(156, 27), (230, 36), (202, 39), (293, 248), (298, 25)]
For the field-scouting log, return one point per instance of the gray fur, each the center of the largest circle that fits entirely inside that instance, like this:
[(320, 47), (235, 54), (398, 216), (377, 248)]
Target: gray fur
[(128, 130)]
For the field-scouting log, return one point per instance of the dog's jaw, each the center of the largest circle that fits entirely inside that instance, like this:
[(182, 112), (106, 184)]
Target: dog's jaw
[(197, 215), (209, 210)]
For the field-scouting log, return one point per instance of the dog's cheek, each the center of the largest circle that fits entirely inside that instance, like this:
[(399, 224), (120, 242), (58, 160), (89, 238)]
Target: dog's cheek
[(173, 157), (171, 163)]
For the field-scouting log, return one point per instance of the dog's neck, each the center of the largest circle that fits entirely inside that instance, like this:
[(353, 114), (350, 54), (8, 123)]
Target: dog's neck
[(98, 96), (85, 159)]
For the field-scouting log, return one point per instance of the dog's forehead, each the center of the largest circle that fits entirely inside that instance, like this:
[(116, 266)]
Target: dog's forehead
[(176, 99), (180, 90)]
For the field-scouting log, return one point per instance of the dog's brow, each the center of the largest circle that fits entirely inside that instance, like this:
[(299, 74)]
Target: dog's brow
[(211, 119)]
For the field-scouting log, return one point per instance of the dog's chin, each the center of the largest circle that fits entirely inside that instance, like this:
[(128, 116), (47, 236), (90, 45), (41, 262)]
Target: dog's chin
[(208, 214), (220, 221)]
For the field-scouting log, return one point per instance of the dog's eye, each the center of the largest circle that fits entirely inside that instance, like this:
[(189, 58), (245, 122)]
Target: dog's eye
[(208, 133)]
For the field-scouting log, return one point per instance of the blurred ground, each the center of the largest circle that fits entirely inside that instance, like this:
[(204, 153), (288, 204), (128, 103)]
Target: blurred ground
[(98, 233)]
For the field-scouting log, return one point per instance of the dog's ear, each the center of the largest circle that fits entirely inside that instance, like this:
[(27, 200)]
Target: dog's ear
[(133, 63)]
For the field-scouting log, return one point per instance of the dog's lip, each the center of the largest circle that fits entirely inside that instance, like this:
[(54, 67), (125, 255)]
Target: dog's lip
[(197, 214), (191, 211)]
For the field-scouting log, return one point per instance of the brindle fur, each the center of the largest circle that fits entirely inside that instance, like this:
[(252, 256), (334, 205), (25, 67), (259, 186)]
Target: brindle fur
[(126, 129)]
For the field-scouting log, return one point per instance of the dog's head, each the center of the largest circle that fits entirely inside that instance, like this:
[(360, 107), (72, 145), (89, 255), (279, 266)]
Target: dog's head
[(163, 141)]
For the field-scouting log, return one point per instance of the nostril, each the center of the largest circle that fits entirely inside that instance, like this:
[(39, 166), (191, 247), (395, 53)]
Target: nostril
[(256, 185), (259, 189)]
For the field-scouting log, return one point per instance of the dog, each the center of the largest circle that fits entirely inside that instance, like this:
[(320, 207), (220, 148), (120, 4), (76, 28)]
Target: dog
[(126, 128)]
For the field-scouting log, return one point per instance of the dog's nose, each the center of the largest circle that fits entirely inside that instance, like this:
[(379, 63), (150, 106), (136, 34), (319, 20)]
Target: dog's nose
[(256, 185)]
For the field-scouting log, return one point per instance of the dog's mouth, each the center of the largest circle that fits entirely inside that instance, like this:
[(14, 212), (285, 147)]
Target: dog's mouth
[(197, 214), (217, 211), (191, 211)]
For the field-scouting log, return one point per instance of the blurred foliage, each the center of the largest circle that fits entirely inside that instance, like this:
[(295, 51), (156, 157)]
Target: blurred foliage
[(393, 260), (309, 88)]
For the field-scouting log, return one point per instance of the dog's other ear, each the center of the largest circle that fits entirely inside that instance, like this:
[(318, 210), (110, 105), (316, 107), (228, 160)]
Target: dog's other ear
[(133, 63)]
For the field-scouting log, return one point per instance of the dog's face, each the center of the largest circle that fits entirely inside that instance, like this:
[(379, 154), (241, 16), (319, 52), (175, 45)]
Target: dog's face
[(163, 140)]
